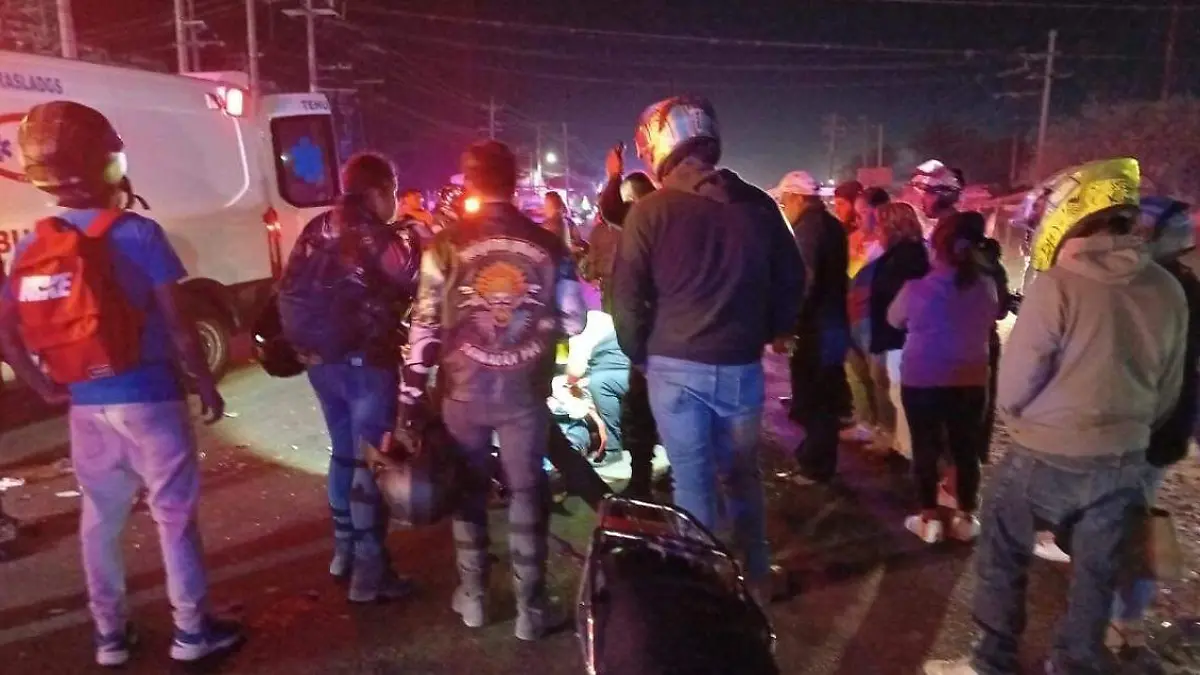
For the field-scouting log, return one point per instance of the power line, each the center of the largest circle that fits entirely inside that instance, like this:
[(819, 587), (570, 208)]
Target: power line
[(659, 37), (437, 87), (1032, 4), (133, 24), (685, 65), (676, 85), (744, 42)]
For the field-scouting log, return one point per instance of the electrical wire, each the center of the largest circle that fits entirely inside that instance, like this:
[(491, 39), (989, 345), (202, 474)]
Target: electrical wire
[(683, 65), (139, 23), (660, 37), (1115, 5), (678, 85), (545, 29)]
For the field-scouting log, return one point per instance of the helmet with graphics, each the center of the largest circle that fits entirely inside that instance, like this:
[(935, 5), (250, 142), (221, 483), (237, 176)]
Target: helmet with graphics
[(671, 126), (449, 207), (935, 177), (937, 187), (72, 152), (1056, 209), (1168, 227)]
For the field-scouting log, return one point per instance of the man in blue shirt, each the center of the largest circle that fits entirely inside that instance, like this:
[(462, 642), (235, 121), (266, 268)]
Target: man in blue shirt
[(131, 430)]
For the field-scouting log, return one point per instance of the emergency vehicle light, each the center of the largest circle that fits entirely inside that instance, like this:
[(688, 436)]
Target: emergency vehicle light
[(235, 102), (471, 205), (229, 100)]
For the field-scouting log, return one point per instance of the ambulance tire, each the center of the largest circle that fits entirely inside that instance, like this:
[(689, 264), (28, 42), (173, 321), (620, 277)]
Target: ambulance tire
[(215, 338)]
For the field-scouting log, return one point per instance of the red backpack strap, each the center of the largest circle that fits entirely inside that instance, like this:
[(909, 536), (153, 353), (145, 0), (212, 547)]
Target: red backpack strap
[(103, 222), (51, 225)]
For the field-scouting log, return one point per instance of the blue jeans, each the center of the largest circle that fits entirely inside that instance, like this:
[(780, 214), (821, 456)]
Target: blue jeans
[(1134, 598), (608, 388), (709, 418), (359, 402), (1088, 497)]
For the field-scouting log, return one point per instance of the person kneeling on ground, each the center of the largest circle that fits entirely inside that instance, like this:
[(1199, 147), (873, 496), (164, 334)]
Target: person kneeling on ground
[(596, 355)]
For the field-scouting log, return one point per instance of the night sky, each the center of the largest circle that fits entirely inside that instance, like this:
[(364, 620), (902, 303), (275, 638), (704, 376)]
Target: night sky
[(903, 63)]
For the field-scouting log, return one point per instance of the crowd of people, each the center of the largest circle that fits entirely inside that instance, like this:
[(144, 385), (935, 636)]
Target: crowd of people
[(404, 319)]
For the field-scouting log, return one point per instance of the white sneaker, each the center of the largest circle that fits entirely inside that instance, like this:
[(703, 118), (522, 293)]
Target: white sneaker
[(929, 531), (960, 667), (1047, 549), (964, 528)]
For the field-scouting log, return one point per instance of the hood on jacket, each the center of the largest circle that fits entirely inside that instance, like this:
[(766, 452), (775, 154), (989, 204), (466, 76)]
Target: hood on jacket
[(719, 185), (1105, 258)]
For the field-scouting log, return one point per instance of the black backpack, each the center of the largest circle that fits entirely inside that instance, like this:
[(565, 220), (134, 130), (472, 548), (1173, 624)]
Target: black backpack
[(333, 300)]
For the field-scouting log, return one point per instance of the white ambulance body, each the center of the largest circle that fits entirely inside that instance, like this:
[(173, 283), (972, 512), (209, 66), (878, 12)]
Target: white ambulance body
[(232, 181)]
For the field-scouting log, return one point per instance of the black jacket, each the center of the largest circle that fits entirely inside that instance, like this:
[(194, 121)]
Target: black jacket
[(374, 270), (1169, 442), (899, 264), (613, 208), (825, 251), (706, 272)]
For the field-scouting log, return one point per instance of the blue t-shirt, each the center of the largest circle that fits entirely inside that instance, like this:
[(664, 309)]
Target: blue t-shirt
[(143, 259)]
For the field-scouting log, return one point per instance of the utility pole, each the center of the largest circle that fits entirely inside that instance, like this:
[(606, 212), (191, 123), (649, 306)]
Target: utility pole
[(832, 129), (187, 37), (252, 49), (181, 51), (866, 140), (66, 30), (492, 118), (537, 149), (1044, 120), (879, 145), (346, 101), (193, 31), (1169, 57), (1016, 153), (566, 163), (310, 24)]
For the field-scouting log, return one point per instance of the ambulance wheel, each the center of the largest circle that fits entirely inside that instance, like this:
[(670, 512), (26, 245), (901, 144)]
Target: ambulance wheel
[(214, 341)]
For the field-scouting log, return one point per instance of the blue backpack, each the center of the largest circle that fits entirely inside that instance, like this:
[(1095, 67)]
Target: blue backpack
[(332, 299)]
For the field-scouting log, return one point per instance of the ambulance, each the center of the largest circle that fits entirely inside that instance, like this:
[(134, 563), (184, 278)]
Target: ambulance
[(231, 180)]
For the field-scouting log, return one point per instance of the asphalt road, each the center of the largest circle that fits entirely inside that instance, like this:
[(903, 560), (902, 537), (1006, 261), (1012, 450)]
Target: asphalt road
[(868, 597)]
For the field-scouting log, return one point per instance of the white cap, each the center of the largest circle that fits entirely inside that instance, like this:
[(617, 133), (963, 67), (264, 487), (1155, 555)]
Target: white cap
[(795, 183)]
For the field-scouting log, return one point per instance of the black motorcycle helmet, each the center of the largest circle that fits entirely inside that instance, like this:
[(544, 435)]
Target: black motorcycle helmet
[(72, 152), (417, 473), (272, 351)]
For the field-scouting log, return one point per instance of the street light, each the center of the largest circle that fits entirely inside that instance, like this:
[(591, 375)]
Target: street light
[(551, 158)]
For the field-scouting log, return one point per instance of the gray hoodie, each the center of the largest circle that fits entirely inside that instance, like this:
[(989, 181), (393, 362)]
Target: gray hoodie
[(1095, 359)]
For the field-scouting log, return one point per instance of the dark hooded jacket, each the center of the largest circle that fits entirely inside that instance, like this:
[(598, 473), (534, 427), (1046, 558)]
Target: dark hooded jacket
[(1169, 441), (707, 271), (824, 247), (901, 263)]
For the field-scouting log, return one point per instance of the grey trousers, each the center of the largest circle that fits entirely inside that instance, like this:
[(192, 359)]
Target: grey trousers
[(523, 438)]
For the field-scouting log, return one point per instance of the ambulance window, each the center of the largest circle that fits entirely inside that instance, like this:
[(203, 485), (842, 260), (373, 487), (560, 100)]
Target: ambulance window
[(305, 160)]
